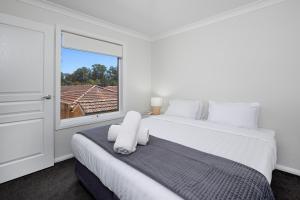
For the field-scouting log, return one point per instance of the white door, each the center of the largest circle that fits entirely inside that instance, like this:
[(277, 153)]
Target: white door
[(26, 115)]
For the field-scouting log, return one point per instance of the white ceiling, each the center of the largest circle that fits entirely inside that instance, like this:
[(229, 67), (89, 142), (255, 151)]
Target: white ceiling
[(152, 17)]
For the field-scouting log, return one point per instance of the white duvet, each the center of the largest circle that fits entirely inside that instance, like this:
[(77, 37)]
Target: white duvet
[(254, 148)]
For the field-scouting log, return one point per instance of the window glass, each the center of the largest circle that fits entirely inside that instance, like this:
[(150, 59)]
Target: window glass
[(89, 83)]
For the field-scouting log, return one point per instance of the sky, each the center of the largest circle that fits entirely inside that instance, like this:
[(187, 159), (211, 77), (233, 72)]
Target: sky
[(72, 59)]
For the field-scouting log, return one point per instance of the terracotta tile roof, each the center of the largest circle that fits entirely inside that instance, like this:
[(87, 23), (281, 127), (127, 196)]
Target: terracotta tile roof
[(69, 94), (91, 98), (112, 88)]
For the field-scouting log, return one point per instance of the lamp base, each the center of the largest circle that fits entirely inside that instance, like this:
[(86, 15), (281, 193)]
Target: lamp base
[(155, 110)]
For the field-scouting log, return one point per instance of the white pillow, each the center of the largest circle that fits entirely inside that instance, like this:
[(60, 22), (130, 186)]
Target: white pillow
[(184, 108), (243, 115)]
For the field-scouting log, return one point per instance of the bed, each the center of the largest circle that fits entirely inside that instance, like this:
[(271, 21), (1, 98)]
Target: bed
[(254, 148)]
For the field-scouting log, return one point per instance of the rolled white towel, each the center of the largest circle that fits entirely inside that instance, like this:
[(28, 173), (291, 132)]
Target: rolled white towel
[(143, 134), (127, 138), (113, 132)]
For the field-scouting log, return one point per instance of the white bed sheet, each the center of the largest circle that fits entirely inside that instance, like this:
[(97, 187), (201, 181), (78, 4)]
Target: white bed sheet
[(254, 148)]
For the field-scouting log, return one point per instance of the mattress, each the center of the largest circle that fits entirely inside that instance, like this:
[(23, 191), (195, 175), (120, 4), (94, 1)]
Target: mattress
[(254, 148)]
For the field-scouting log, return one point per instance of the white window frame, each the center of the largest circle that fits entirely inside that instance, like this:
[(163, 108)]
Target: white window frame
[(90, 119)]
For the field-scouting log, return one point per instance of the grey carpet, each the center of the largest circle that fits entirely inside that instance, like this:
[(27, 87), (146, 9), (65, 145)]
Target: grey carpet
[(59, 182)]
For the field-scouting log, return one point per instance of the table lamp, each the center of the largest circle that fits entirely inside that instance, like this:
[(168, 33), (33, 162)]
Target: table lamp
[(156, 103)]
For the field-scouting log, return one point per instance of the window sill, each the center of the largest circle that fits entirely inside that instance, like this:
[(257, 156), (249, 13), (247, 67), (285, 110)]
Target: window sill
[(87, 120)]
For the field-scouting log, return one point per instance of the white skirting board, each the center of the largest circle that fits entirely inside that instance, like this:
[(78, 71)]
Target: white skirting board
[(288, 169), (62, 158), (279, 167)]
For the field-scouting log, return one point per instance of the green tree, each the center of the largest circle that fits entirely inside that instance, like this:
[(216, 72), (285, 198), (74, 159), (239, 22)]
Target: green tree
[(81, 75), (66, 79), (112, 76), (98, 74), (62, 78)]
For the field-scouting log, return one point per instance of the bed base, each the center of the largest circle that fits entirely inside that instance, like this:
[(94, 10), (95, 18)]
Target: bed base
[(92, 183)]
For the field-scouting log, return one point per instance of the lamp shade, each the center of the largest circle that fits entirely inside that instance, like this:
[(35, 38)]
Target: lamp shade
[(156, 101)]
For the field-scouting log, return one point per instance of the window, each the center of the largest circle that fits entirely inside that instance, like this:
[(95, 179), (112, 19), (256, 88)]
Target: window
[(89, 79)]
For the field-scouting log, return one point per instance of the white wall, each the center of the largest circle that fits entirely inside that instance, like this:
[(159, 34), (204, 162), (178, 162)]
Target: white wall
[(250, 57), (137, 58)]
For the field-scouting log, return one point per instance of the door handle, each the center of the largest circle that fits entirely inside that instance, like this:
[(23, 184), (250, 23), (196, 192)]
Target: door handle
[(46, 97)]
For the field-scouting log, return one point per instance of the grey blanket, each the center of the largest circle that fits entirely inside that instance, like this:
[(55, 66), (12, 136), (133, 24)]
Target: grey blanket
[(189, 173)]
